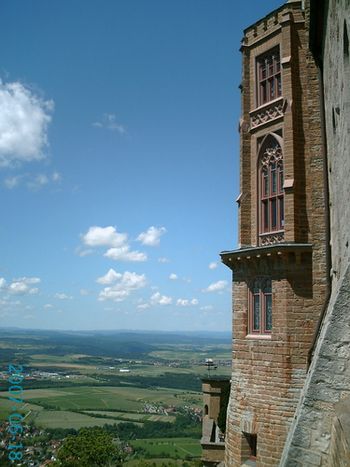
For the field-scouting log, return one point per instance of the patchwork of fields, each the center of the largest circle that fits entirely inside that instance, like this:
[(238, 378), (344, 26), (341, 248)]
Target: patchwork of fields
[(75, 381), (56, 408)]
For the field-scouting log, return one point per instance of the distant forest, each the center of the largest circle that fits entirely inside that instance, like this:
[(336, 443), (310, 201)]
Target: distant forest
[(117, 344)]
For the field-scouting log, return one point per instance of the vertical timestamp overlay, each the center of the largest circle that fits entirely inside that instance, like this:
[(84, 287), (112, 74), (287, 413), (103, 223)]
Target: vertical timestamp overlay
[(15, 419)]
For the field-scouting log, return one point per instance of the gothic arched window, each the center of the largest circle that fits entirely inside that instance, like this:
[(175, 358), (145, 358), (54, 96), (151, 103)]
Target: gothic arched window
[(271, 192), (260, 307)]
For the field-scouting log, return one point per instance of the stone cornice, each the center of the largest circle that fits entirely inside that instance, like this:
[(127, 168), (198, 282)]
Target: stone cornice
[(235, 258)]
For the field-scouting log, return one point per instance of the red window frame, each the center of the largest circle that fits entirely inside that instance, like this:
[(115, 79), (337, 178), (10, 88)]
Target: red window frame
[(260, 307), (269, 77), (271, 190)]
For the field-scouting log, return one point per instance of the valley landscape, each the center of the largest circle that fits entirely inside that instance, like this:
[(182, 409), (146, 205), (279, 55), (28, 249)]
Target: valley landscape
[(143, 388)]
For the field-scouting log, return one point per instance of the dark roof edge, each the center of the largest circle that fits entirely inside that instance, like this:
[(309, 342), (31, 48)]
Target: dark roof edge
[(275, 246), (214, 379)]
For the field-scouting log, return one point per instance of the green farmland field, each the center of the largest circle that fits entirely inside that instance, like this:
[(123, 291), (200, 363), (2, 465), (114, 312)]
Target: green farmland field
[(66, 419), (6, 406), (109, 398), (169, 447), (134, 417), (56, 408)]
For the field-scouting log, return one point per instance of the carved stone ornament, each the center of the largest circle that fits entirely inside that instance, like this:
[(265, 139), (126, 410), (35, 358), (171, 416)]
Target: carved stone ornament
[(271, 239), (272, 154), (268, 113)]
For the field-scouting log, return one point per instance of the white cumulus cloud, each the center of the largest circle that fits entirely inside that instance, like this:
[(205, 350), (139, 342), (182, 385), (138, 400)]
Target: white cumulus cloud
[(110, 277), (124, 254), (24, 120), (104, 236), (173, 276), (216, 286), (158, 299), (23, 285), (186, 302), (213, 265), (18, 287), (152, 236), (29, 280), (125, 285)]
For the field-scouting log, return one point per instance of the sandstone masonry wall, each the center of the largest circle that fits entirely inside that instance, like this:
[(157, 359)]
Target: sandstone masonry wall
[(269, 370)]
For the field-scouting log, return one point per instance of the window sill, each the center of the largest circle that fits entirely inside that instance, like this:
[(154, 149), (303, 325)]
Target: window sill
[(266, 104), (258, 336), (272, 232)]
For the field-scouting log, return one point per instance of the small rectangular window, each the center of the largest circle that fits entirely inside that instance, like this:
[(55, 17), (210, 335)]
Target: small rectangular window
[(260, 306), (249, 448)]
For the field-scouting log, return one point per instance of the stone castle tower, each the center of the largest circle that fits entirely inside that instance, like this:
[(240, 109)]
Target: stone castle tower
[(279, 272)]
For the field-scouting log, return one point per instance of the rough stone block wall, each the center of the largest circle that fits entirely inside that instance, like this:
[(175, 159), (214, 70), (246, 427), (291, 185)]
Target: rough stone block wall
[(316, 436), (339, 453), (337, 109), (328, 383)]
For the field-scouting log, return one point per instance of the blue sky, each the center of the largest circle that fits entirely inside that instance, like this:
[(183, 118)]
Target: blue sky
[(119, 161)]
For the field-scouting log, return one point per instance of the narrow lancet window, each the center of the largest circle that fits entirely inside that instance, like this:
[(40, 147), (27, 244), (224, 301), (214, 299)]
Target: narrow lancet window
[(271, 193)]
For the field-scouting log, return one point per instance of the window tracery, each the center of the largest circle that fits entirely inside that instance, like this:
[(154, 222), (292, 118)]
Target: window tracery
[(271, 191)]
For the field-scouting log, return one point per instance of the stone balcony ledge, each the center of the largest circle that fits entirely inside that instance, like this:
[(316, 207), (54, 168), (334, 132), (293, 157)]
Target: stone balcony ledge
[(267, 113), (234, 257)]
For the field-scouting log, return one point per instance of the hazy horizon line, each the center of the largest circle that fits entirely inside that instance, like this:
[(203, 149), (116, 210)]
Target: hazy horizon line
[(18, 328)]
